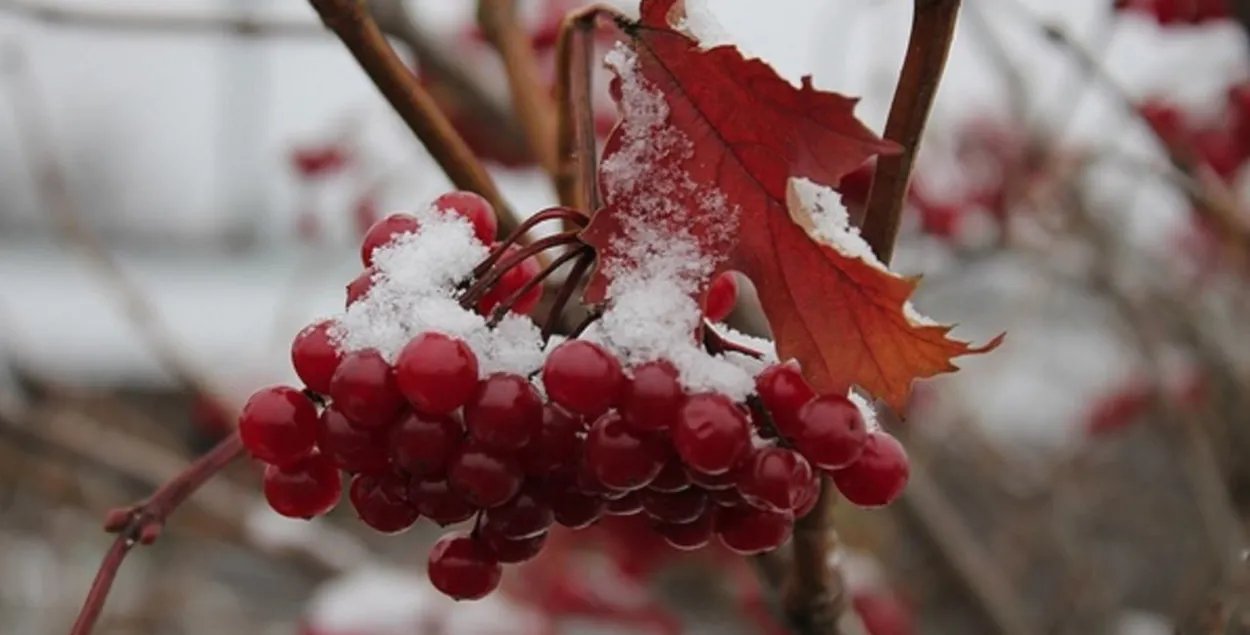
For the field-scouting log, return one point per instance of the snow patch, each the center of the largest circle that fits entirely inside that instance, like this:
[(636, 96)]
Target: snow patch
[(701, 24), (865, 410), (829, 221)]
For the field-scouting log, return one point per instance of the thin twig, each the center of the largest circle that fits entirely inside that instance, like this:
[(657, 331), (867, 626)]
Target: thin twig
[(576, 180), (531, 98)]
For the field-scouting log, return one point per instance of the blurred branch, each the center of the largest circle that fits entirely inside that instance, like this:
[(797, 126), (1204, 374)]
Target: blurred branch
[(576, 179), (530, 95), (1241, 13)]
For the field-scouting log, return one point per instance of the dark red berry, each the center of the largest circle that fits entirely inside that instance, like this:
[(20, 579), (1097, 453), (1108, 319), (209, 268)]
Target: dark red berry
[(680, 507), (436, 372), (574, 509), (627, 505), (689, 536), (359, 288), (315, 356), (463, 568), (810, 496), (352, 449), (557, 446), (730, 497), (434, 499), (504, 412), (278, 425), (483, 477), (774, 479), (748, 531), (308, 488), (514, 550), (620, 458), (722, 295), (381, 501), (582, 377), (831, 432), (652, 398), (472, 207), (878, 476), (525, 516), (383, 232), (422, 444), (364, 389), (673, 477), (783, 390), (711, 435)]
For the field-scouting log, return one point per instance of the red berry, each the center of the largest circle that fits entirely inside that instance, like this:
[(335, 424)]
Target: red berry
[(352, 449), (730, 497), (525, 516), (381, 501), (831, 432), (484, 478), (364, 389), (557, 445), (278, 425), (714, 482), (422, 444), (315, 356), (514, 550), (359, 288), (620, 458), (436, 372), (748, 531), (574, 509), (673, 477), (434, 499), (711, 435), (463, 568), (680, 507), (810, 496), (383, 232), (652, 398), (689, 536), (880, 474), (783, 390), (305, 489), (477, 210), (504, 412), (627, 505), (582, 377), (775, 479), (722, 295)]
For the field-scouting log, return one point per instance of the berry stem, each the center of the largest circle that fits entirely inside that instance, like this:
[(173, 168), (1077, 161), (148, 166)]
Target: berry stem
[(505, 306), (567, 215), (566, 293), (142, 523), (576, 179), (590, 318), (716, 343), (484, 283)]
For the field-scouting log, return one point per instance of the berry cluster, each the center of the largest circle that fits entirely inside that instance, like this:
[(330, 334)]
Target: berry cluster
[(1223, 143), (435, 429), (1175, 12)]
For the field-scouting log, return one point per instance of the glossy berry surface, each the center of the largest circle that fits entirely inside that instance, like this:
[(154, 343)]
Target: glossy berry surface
[(383, 232), (314, 356), (472, 207), (677, 508), (722, 295), (831, 432), (574, 509), (514, 550), (582, 377), (652, 398), (557, 446), (504, 412), (463, 568), (878, 476), (673, 477), (278, 425), (775, 479), (484, 478), (620, 458), (352, 449), (627, 505), (436, 372), (364, 389), (711, 435), (422, 444), (434, 499), (784, 391), (306, 489), (525, 516), (689, 536), (381, 501), (359, 288), (748, 531)]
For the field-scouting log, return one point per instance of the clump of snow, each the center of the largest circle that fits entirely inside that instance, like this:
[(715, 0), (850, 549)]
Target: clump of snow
[(865, 410), (700, 23), (413, 291)]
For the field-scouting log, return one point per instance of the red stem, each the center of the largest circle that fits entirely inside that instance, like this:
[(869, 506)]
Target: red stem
[(715, 343), (566, 293), (548, 214), (507, 304), (485, 283)]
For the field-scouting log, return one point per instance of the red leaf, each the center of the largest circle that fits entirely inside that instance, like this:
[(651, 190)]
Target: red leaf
[(707, 148)]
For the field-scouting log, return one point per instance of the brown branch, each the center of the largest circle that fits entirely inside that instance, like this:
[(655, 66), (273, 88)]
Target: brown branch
[(576, 180), (530, 97), (814, 596), (932, 30), (350, 20)]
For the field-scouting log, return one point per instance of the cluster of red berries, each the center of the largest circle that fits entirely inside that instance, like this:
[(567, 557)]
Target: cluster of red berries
[(1223, 143), (1173, 12)]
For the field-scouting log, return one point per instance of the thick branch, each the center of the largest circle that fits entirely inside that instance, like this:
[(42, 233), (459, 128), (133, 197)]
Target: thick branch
[(530, 97)]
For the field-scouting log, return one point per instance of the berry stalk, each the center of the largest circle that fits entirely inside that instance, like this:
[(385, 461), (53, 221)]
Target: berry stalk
[(579, 252), (486, 282)]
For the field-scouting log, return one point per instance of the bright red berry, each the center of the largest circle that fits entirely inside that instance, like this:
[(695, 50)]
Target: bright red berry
[(436, 372), (652, 398), (878, 476), (689, 536), (463, 568), (305, 489), (434, 499), (748, 531), (504, 412), (352, 449), (472, 207), (583, 377), (831, 432), (525, 516), (483, 477), (315, 356), (783, 390), (514, 550), (422, 444), (679, 507), (620, 458), (711, 435), (722, 295), (383, 232), (557, 446), (278, 425), (381, 501), (364, 389), (359, 288), (774, 479)]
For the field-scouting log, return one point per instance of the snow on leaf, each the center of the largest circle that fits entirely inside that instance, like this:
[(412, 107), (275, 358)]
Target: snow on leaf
[(705, 155)]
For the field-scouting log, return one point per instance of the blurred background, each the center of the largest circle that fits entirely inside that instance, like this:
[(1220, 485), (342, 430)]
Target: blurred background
[(185, 183)]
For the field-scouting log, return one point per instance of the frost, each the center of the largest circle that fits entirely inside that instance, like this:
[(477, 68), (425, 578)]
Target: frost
[(865, 410), (915, 317), (829, 221)]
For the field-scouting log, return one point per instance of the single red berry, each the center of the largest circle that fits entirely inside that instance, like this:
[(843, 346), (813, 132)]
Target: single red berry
[(680, 507), (652, 398), (714, 482), (783, 390), (514, 550), (384, 231), (748, 531), (575, 509), (620, 458), (359, 288), (557, 446), (422, 444), (583, 377), (483, 477), (627, 505), (364, 389), (673, 477), (463, 568), (831, 432), (504, 412), (434, 499), (774, 479), (730, 497), (352, 449), (525, 516), (278, 425), (436, 372), (878, 476), (722, 295), (472, 207), (305, 489), (711, 435), (315, 356), (381, 501), (689, 536)]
